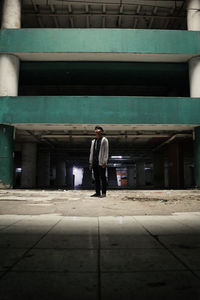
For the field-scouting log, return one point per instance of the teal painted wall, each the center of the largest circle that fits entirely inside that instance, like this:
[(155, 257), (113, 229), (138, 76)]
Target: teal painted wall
[(102, 110), (100, 40), (6, 156)]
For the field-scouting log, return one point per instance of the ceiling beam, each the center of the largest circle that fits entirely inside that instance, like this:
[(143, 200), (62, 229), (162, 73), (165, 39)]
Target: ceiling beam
[(178, 135), (103, 14), (55, 18)]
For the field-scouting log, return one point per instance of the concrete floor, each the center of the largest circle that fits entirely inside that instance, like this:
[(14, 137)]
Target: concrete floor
[(54, 256)]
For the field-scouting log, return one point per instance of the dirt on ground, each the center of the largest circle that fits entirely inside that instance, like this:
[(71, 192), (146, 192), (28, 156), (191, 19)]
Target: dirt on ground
[(117, 202)]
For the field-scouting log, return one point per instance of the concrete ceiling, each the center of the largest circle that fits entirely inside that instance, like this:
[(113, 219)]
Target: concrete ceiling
[(139, 14), (82, 133), (139, 141)]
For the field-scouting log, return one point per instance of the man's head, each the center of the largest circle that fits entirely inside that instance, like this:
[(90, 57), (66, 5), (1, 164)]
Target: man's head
[(98, 131)]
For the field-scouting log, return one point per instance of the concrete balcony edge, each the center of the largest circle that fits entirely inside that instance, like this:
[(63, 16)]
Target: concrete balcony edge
[(100, 44), (99, 110)]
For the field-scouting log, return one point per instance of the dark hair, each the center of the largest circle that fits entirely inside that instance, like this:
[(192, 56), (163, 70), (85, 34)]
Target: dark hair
[(99, 127)]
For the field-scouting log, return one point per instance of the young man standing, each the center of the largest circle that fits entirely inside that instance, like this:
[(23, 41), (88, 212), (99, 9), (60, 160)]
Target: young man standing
[(98, 161)]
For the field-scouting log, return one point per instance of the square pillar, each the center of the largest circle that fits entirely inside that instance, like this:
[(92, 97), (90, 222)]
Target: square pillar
[(43, 169), (176, 165), (6, 157), (197, 157), (29, 157), (158, 170), (140, 174), (60, 172), (131, 177)]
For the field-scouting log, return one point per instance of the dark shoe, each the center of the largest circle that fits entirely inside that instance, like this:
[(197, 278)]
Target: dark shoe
[(103, 195), (95, 195)]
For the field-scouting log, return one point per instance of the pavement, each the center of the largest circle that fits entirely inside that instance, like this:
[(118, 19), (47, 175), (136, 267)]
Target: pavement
[(56, 256)]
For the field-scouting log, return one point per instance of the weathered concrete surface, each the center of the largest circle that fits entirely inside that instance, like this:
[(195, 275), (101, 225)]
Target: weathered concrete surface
[(117, 203), (125, 257)]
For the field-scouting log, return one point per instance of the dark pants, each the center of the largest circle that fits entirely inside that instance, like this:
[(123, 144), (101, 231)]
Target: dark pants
[(100, 178)]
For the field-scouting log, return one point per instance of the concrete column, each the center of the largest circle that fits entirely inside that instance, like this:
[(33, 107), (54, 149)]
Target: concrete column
[(11, 16), (60, 173), (69, 177), (176, 166), (112, 177), (194, 75), (9, 64), (130, 177), (29, 157), (188, 176), (9, 75), (166, 175), (6, 157), (158, 170), (87, 178), (140, 174), (193, 15), (43, 169), (197, 157)]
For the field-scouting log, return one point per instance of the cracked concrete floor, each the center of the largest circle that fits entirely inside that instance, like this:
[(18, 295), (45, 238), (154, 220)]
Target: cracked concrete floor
[(79, 202), (142, 245)]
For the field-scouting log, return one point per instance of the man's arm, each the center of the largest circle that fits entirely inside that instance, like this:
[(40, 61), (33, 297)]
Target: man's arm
[(91, 156), (106, 153)]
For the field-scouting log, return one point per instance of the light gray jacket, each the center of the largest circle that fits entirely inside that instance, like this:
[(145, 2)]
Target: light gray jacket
[(103, 152)]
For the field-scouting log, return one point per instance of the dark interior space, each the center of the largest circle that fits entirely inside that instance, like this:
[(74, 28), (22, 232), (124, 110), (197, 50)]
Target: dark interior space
[(104, 79)]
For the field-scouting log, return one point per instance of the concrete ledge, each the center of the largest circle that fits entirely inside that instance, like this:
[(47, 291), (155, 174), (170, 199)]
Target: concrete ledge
[(99, 110), (100, 44)]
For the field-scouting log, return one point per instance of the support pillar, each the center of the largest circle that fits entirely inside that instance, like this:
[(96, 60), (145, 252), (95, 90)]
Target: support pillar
[(176, 166), (140, 174), (158, 170), (112, 177), (9, 75), (60, 173), (69, 177), (87, 178), (193, 22), (9, 64), (29, 156), (194, 75), (193, 15), (43, 169), (6, 157), (188, 176), (11, 16), (131, 174), (197, 157)]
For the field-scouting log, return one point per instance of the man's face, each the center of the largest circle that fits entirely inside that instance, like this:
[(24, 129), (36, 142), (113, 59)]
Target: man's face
[(98, 132)]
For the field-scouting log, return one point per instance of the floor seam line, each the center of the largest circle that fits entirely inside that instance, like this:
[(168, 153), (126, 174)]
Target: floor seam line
[(11, 267), (99, 262), (156, 237)]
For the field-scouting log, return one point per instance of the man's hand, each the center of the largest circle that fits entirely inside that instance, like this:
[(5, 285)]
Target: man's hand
[(104, 165), (90, 166)]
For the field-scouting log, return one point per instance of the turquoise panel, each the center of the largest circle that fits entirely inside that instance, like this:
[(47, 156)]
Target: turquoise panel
[(100, 41), (101, 110)]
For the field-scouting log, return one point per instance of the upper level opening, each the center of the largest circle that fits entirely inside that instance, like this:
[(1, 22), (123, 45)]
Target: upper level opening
[(133, 14), (103, 79)]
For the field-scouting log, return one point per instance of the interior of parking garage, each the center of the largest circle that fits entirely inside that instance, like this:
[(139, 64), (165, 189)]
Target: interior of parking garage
[(145, 151), (140, 156)]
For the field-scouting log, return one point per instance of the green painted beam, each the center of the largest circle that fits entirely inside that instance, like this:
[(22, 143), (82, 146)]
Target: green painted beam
[(6, 156), (99, 41), (97, 109)]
